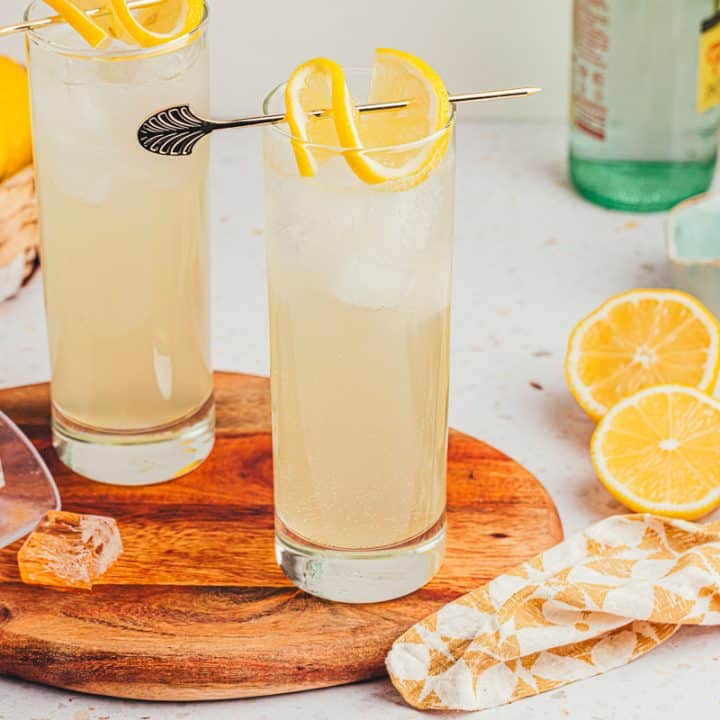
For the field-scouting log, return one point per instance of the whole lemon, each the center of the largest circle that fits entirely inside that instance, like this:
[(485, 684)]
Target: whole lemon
[(15, 136)]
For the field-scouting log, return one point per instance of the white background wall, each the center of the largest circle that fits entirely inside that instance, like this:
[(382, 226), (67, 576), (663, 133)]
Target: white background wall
[(474, 44)]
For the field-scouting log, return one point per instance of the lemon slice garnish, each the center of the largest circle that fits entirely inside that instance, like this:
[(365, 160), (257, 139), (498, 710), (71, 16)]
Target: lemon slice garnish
[(639, 339), (73, 14), (398, 75), (158, 24), (370, 140), (658, 451)]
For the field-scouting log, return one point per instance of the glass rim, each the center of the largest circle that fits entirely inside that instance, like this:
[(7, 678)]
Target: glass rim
[(338, 149), (125, 53)]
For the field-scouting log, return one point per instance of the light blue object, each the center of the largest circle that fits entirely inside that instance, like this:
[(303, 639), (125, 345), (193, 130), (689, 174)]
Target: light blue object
[(693, 236)]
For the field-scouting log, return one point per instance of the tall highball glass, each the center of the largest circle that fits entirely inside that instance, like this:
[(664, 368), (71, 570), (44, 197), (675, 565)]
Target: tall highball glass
[(124, 246), (359, 295)]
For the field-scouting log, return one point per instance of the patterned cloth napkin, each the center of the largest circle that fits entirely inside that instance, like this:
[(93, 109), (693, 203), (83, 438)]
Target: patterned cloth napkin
[(590, 604)]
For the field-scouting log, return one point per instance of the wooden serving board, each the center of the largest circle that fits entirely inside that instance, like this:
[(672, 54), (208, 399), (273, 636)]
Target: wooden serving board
[(196, 608)]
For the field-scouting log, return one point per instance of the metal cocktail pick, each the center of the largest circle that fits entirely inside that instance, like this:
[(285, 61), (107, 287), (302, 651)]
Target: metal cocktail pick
[(175, 131)]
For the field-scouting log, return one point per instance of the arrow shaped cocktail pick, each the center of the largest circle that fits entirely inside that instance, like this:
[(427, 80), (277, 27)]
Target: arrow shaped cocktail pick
[(175, 131)]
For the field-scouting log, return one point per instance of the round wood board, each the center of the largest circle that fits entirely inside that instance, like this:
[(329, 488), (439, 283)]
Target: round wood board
[(196, 609)]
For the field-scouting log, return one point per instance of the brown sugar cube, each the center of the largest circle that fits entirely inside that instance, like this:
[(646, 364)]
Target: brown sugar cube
[(69, 550)]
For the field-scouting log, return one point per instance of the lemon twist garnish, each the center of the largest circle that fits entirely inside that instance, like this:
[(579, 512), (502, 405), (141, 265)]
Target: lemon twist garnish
[(378, 146), (183, 16), (148, 27), (73, 14), (321, 83)]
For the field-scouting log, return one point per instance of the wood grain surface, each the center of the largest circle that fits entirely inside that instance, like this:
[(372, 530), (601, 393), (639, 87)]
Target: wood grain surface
[(196, 607)]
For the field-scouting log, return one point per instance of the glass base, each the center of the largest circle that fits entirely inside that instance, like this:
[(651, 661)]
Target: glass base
[(363, 576), (145, 458), (639, 186)]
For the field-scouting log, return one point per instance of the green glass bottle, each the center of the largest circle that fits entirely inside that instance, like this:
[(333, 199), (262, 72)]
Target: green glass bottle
[(638, 140)]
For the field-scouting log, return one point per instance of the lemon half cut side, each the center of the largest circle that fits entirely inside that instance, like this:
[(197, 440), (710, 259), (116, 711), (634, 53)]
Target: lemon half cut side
[(638, 339), (658, 451)]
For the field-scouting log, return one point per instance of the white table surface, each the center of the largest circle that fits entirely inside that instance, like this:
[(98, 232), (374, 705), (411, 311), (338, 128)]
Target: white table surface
[(531, 259)]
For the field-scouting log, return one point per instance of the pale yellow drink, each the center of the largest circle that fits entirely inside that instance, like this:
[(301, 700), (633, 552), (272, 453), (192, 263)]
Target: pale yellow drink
[(124, 251), (359, 296), (361, 417)]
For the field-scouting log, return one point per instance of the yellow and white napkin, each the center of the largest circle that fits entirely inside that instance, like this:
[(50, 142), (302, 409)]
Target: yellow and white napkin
[(590, 604)]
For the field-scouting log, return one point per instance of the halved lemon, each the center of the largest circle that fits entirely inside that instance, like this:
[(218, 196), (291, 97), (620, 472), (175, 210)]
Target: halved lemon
[(73, 14), (639, 339), (658, 451), (157, 24), (320, 84)]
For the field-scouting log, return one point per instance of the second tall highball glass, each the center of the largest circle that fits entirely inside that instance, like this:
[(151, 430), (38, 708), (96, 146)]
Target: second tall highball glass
[(359, 294)]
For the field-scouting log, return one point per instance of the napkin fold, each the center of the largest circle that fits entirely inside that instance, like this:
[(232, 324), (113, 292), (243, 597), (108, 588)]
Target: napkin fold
[(590, 604)]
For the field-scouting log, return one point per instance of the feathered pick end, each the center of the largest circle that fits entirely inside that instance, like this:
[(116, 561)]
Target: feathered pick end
[(173, 132)]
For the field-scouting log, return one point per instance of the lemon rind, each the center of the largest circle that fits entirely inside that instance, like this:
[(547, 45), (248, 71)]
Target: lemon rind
[(194, 10), (85, 26), (297, 117)]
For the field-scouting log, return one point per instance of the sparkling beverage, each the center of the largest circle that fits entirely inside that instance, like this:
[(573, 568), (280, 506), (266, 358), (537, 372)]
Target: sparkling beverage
[(125, 257), (359, 296)]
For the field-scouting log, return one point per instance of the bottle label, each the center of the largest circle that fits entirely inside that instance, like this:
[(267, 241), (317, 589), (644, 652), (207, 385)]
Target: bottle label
[(709, 63), (590, 55)]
